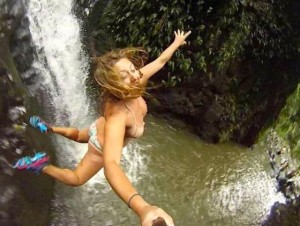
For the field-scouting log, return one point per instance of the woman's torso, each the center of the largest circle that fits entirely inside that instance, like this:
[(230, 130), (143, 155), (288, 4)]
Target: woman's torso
[(136, 110)]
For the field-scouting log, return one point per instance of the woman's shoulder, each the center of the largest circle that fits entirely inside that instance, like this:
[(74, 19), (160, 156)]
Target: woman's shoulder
[(114, 108)]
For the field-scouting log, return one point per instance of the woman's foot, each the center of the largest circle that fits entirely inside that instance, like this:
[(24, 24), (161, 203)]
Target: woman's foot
[(35, 163), (37, 122)]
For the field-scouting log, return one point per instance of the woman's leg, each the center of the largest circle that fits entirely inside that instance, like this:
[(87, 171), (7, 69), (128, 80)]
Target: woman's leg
[(91, 163), (81, 136)]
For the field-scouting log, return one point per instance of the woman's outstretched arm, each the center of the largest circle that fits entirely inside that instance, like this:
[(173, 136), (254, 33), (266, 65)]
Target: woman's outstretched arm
[(153, 67), (115, 126)]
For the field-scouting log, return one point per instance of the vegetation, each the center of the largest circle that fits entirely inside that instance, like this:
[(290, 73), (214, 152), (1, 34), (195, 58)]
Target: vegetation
[(223, 32), (241, 59), (288, 124)]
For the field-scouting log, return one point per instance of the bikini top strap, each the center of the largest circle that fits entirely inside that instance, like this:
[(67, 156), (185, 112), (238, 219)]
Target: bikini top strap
[(134, 119)]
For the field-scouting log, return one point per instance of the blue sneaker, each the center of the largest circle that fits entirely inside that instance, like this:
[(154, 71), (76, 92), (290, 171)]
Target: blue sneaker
[(22, 163), (37, 122), (35, 163), (38, 156)]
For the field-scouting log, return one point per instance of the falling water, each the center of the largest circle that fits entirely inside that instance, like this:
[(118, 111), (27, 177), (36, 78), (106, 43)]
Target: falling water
[(60, 59), (63, 69)]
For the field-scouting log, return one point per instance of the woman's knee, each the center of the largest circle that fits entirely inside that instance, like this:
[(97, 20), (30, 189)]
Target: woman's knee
[(77, 183), (75, 180)]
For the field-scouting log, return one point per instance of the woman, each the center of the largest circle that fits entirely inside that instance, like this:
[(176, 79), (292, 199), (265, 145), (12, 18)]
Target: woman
[(122, 77)]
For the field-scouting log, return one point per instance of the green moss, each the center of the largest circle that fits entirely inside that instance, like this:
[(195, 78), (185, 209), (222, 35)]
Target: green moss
[(288, 123)]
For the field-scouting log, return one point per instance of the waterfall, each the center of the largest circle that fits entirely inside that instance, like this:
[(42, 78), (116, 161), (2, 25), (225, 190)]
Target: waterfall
[(61, 60), (63, 68)]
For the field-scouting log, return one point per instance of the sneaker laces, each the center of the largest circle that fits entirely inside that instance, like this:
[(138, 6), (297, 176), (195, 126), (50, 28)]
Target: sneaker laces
[(22, 163), (38, 156), (35, 163), (36, 122)]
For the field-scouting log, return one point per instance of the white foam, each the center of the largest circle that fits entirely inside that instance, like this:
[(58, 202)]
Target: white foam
[(63, 66)]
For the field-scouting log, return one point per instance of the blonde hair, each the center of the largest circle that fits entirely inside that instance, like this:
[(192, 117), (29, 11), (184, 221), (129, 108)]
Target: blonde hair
[(108, 77)]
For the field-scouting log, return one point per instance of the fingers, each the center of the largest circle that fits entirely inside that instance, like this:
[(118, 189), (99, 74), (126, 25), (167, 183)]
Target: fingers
[(169, 222), (161, 221), (154, 215), (187, 34), (181, 33), (147, 223), (168, 219)]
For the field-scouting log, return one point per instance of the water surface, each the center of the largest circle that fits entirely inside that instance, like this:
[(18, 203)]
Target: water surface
[(197, 183)]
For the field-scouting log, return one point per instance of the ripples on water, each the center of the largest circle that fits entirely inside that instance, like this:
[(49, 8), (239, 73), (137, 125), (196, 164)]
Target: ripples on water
[(208, 184), (197, 183)]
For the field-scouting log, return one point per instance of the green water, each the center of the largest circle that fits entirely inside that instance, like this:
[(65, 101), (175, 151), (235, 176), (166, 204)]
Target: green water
[(195, 182)]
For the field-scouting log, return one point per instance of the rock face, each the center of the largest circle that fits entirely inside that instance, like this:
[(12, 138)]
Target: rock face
[(284, 214), (234, 106), (25, 197), (285, 167)]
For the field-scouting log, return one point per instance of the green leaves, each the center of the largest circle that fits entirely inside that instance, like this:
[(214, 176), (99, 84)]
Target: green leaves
[(222, 32)]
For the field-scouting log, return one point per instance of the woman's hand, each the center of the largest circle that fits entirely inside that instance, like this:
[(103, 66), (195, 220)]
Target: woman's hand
[(180, 37), (153, 67), (151, 213)]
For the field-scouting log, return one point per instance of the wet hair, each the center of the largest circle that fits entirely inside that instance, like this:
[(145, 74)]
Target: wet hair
[(108, 77)]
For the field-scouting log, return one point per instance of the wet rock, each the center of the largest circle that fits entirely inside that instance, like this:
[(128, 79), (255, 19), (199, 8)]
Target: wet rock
[(30, 76), (285, 167), (213, 112), (16, 113), (284, 214), (291, 173), (18, 202), (6, 168)]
